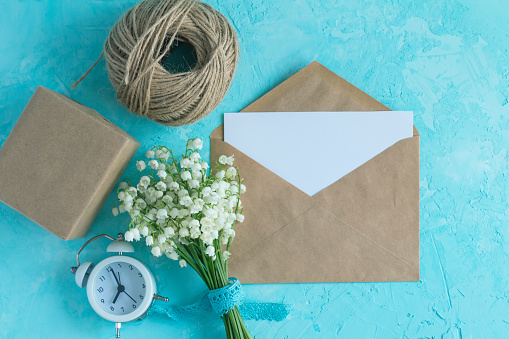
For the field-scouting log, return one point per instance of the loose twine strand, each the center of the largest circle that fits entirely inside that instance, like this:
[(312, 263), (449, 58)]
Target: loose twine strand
[(143, 36)]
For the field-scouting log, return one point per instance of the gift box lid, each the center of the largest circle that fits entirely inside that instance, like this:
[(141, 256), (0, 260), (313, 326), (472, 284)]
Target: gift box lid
[(60, 163)]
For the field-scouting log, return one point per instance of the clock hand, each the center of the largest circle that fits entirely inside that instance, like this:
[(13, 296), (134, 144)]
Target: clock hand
[(130, 296), (120, 289), (116, 279), (118, 293)]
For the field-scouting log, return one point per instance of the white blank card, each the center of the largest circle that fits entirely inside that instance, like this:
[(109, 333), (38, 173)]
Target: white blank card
[(312, 150)]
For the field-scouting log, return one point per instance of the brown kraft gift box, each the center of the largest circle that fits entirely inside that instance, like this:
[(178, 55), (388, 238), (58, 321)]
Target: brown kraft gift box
[(60, 163)]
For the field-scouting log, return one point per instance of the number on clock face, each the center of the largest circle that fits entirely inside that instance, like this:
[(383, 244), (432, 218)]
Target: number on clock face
[(119, 288)]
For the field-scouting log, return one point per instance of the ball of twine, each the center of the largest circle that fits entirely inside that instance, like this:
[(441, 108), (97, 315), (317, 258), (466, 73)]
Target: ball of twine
[(143, 36)]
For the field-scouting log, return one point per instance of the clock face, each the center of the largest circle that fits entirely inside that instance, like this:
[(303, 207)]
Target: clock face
[(119, 288)]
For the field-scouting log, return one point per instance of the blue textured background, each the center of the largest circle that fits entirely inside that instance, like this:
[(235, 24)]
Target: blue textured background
[(446, 60)]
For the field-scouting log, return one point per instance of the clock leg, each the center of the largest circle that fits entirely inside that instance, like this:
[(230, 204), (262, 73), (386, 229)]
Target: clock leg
[(117, 330)]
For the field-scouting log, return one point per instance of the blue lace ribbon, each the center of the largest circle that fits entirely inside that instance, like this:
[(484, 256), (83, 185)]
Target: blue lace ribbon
[(222, 300), (226, 298)]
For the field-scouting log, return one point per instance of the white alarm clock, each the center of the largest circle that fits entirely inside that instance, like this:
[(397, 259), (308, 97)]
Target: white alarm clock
[(119, 288)]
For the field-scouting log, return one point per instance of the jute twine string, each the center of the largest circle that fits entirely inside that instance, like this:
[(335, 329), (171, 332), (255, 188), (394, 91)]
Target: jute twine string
[(144, 35)]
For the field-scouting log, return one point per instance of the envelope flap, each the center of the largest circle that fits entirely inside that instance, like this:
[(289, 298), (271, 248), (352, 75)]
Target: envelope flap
[(380, 199), (314, 88), (271, 202)]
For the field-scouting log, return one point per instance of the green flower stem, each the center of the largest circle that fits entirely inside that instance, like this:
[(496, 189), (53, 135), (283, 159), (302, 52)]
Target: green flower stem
[(215, 275), (234, 325)]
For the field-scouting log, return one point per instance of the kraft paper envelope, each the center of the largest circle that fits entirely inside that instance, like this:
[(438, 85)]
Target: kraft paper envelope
[(362, 228)]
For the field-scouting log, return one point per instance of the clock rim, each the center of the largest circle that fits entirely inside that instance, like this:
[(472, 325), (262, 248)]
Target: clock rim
[(150, 290)]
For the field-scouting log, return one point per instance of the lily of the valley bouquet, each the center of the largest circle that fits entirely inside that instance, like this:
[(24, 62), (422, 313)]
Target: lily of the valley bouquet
[(188, 215)]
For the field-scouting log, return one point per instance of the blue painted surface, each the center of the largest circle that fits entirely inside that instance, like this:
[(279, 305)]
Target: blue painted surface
[(445, 60)]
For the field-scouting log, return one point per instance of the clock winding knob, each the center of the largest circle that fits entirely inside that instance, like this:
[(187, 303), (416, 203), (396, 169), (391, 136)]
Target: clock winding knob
[(158, 297), (117, 330)]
